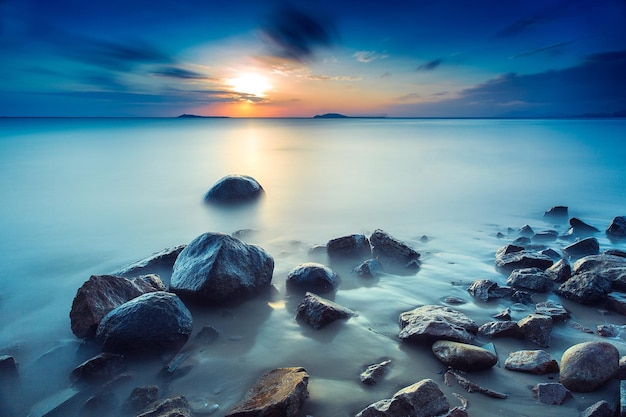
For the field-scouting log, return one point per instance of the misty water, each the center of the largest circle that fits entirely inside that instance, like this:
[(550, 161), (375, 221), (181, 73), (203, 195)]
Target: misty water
[(88, 196)]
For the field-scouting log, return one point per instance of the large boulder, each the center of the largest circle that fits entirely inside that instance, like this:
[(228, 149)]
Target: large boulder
[(552, 309), (603, 264), (584, 247), (587, 366), (422, 399), (561, 271), (391, 251), (101, 294), (579, 228), (318, 312), (617, 228), (463, 356), (531, 361), (537, 329), (512, 257), (151, 323), (352, 246), (218, 268), (280, 392), (430, 323), (585, 288), (311, 276), (162, 261), (556, 213), (529, 278), (233, 189)]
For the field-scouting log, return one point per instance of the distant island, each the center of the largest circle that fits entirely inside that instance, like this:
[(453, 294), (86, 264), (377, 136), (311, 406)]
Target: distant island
[(330, 116), (195, 116)]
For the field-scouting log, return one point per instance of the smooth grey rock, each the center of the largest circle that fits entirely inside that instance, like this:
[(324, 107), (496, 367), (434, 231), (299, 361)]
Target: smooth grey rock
[(233, 189), (550, 253), (537, 329), (318, 312), (617, 228), (151, 323), (369, 268), (169, 407), (503, 315), (531, 361), (529, 278), (463, 356), (616, 301), (585, 288), (218, 268), (153, 264), (600, 409), (551, 393), (280, 392), (526, 231), (486, 289), (587, 366), (100, 368), (545, 236), (429, 323), (579, 228), (582, 248), (557, 213), (552, 309), (606, 264), (389, 250), (512, 257), (422, 399), (561, 271), (500, 329), (352, 246), (373, 373), (311, 276)]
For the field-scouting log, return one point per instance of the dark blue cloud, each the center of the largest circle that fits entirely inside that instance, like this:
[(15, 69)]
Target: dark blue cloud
[(554, 49), (179, 73), (431, 65)]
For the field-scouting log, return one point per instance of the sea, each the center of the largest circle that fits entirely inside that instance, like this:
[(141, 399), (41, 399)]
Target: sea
[(88, 196)]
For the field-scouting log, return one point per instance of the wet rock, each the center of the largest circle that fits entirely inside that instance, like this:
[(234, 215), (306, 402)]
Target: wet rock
[(352, 246), (529, 278), (453, 300), (522, 297), (551, 393), (388, 249), (551, 253), (608, 330), (531, 361), (552, 309), (163, 260), (368, 269), (100, 404), (585, 288), (600, 409), (486, 289), (582, 248), (463, 356), (616, 301), (503, 315), (579, 228), (318, 312), (233, 189), (557, 213), (457, 412), (512, 257), (603, 264), (141, 397), (280, 392), (218, 268), (617, 228), (373, 373), (101, 294), (100, 368), (312, 276), (617, 277), (207, 335), (545, 236), (169, 407), (429, 323), (522, 241), (8, 368), (151, 323), (537, 329), (500, 329), (422, 399), (587, 366), (561, 271), (526, 231)]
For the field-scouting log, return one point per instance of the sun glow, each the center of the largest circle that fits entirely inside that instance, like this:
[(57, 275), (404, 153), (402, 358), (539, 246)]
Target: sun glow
[(252, 84)]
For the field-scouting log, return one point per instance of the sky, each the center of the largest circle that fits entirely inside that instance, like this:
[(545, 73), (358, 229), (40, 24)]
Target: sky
[(279, 58)]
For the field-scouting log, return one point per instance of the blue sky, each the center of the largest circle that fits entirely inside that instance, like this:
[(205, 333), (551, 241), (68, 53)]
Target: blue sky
[(447, 58)]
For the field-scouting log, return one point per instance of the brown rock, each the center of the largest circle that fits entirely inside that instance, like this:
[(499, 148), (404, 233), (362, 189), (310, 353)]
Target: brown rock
[(463, 356), (318, 312), (587, 366), (500, 329), (422, 399), (537, 329), (429, 323), (169, 407), (551, 393), (532, 361)]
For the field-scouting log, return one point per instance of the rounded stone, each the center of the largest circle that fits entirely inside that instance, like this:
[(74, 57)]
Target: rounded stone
[(234, 189), (587, 366), (314, 277), (463, 356)]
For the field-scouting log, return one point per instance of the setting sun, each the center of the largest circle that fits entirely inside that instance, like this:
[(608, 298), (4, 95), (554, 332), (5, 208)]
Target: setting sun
[(253, 84)]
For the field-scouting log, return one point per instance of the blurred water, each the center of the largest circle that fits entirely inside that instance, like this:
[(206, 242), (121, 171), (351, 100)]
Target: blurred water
[(87, 196)]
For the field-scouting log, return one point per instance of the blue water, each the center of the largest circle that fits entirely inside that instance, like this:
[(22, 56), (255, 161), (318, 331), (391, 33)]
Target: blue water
[(88, 196)]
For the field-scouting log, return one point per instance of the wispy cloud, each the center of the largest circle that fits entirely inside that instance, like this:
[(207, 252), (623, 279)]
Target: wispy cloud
[(369, 56), (431, 65), (554, 49), (408, 97), (313, 77), (179, 73)]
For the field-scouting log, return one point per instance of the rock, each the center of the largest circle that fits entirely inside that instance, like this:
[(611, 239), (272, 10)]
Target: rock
[(457, 412), (141, 397), (218, 268), (556, 213), (8, 368), (545, 236), (551, 393), (587, 366), (312, 276), (608, 330), (486, 289), (207, 335), (318, 312), (368, 269), (388, 249), (422, 399), (617, 277), (100, 368), (532, 361), (352, 246), (561, 271), (617, 228), (503, 315), (550, 253), (280, 392), (163, 260), (101, 294), (463, 356), (100, 404), (429, 323), (602, 264), (512, 257), (151, 323), (585, 288), (537, 329), (526, 231), (169, 407), (522, 241), (233, 189), (529, 278), (522, 297), (579, 228), (373, 373), (584, 247), (599, 409), (56, 404), (454, 300), (616, 301), (500, 329), (552, 309)]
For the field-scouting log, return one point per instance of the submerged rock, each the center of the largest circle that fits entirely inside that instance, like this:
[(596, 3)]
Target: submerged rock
[(584, 247), (551, 393), (463, 356), (218, 268), (318, 312), (422, 399), (163, 260), (151, 323), (280, 392), (557, 213), (368, 269), (141, 397), (429, 323), (486, 289), (579, 228), (512, 257), (388, 249), (99, 368), (587, 366), (101, 294), (169, 407), (233, 189), (352, 246), (373, 373), (529, 278), (616, 301), (585, 288), (531, 361), (311, 276), (617, 228)]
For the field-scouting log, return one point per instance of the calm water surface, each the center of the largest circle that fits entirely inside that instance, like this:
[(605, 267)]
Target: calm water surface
[(88, 196)]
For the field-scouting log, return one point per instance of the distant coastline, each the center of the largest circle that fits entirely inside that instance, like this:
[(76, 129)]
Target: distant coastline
[(195, 116), (343, 116)]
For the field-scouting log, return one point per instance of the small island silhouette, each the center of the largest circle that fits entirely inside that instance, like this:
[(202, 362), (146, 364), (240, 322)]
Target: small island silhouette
[(330, 116), (195, 116)]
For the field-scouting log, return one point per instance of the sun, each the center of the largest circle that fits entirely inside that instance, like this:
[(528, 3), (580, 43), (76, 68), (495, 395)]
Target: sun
[(249, 83)]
